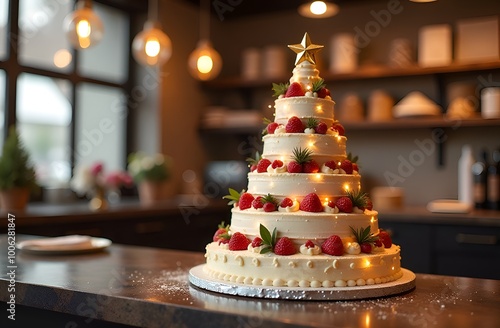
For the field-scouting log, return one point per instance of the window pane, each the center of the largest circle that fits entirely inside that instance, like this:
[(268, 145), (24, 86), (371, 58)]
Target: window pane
[(4, 10), (108, 60), (43, 121), (42, 41), (2, 105), (100, 126)]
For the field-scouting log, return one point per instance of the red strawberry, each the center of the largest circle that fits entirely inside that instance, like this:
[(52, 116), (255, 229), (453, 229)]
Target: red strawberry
[(287, 202), (238, 242), (295, 90), (311, 203), (263, 164), (271, 127), (333, 246), (309, 244), (294, 125), (331, 203), (221, 234), (346, 165), (276, 163), (331, 164), (378, 243), (256, 242), (339, 128), (294, 167), (253, 167), (366, 248), (344, 204), (310, 167), (245, 201), (321, 128), (385, 238), (369, 204), (269, 207), (257, 202), (355, 167), (323, 92), (284, 246)]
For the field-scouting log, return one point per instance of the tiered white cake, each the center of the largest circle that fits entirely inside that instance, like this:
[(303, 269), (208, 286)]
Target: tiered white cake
[(303, 222)]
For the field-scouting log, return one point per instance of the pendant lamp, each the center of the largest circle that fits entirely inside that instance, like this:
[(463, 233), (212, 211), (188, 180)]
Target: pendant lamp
[(83, 27), (204, 63), (318, 9), (152, 46)]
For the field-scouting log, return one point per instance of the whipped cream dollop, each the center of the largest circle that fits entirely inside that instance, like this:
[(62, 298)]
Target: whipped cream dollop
[(293, 208), (316, 250)]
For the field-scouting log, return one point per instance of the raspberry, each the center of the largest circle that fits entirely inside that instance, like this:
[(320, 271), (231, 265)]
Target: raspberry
[(346, 165), (271, 127), (245, 201), (294, 167), (310, 167), (263, 164), (256, 242), (269, 207), (287, 202), (321, 128), (277, 163)]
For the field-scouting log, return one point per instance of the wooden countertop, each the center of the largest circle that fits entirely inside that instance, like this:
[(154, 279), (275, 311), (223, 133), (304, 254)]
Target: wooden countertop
[(148, 287)]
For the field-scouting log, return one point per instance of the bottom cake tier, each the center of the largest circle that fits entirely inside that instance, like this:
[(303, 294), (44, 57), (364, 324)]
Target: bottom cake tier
[(252, 268)]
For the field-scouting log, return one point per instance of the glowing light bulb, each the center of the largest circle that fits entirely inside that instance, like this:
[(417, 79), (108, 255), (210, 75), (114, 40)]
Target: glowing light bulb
[(346, 187), (311, 144), (152, 47), (318, 7), (367, 263), (205, 64), (83, 28)]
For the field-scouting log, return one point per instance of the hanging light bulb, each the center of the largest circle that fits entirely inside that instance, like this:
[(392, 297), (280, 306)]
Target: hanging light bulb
[(204, 63), (83, 27), (152, 46), (318, 9)]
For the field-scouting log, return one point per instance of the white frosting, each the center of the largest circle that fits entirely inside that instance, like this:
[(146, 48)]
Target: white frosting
[(298, 185), (304, 107), (294, 208), (301, 226), (315, 271), (324, 147), (306, 74)]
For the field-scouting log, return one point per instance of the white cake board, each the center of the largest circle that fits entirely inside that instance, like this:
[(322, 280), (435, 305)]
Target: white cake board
[(199, 278)]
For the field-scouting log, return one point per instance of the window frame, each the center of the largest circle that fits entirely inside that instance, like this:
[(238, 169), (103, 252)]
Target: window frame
[(13, 69)]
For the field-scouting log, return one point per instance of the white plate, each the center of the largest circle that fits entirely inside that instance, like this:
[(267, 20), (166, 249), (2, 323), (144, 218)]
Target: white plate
[(96, 245)]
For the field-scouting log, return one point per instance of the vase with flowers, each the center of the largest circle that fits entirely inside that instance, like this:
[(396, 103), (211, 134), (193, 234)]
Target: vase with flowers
[(151, 173), (92, 182)]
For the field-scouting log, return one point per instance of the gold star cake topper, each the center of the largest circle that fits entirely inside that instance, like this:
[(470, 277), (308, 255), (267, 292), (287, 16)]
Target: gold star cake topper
[(305, 50)]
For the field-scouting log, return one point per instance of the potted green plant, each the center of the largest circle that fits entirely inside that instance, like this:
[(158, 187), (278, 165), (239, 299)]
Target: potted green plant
[(17, 175), (151, 174)]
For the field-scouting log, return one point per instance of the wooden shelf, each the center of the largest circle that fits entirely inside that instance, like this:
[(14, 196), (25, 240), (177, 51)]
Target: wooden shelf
[(419, 123), (361, 74), (396, 124)]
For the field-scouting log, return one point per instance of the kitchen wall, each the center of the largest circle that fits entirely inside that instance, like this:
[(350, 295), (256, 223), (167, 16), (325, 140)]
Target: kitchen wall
[(381, 152)]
